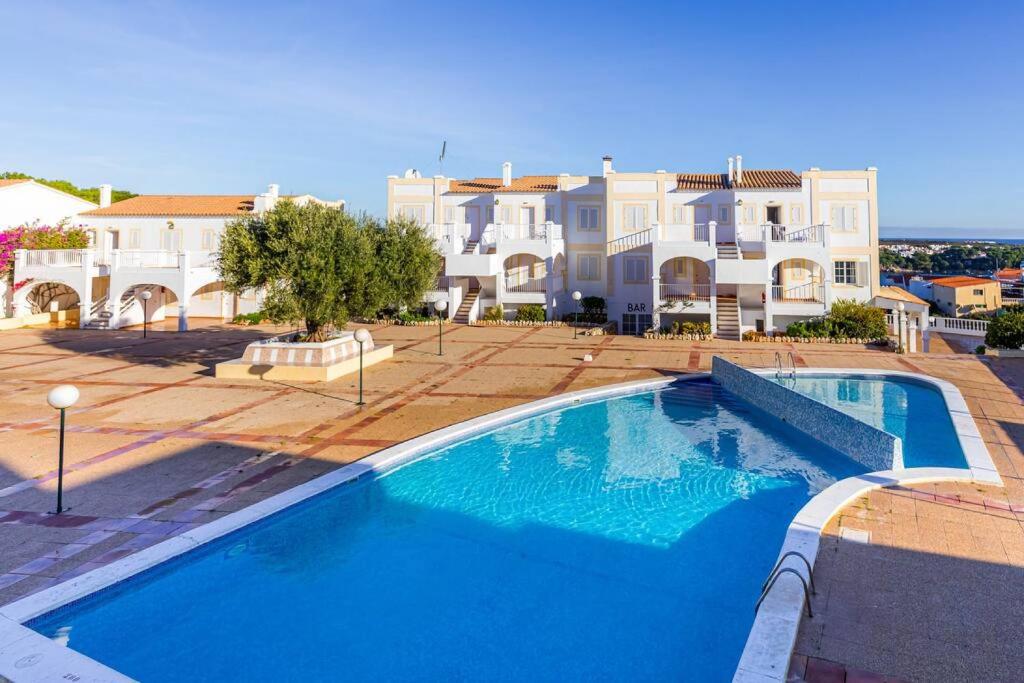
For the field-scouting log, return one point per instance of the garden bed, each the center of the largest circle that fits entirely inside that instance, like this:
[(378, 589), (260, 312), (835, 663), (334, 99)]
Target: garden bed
[(766, 338), (517, 323), (285, 358), (680, 336)]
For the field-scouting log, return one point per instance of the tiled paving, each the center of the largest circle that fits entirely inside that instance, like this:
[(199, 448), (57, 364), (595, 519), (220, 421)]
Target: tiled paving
[(157, 445)]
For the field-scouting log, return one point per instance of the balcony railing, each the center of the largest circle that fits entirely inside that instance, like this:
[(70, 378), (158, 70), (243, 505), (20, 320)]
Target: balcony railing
[(499, 232), (684, 232), (449, 232), (808, 293), (523, 285), (54, 258), (147, 258), (685, 291), (782, 234)]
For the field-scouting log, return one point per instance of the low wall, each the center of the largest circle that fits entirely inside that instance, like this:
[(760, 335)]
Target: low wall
[(70, 315), (873, 448)]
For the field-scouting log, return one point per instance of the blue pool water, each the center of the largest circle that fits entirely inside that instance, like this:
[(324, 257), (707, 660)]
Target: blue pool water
[(914, 412), (624, 539)]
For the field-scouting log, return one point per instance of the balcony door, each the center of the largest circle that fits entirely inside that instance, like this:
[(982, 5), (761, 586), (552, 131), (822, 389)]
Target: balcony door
[(526, 215), (170, 240), (473, 219)]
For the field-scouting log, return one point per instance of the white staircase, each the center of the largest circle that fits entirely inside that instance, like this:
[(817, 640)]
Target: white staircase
[(727, 318), (728, 251)]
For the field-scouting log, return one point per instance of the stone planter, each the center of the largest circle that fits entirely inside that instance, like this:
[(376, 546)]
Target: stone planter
[(517, 323), (816, 340), (283, 358), (681, 337)]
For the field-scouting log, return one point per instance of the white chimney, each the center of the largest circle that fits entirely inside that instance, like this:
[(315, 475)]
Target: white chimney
[(105, 191), (606, 165), (506, 173), (730, 172), (739, 169), (273, 190)]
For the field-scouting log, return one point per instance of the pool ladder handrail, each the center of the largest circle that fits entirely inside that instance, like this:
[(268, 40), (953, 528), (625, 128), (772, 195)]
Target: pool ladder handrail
[(778, 570), (779, 369)]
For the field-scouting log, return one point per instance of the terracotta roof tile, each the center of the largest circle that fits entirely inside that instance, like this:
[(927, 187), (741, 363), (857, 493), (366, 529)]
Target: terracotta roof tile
[(178, 205), (5, 182), (961, 281), (900, 294), (753, 179), (526, 183), (1012, 274)]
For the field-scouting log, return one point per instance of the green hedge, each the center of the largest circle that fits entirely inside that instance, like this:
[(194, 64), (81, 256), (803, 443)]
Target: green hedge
[(847, 319), (531, 313), (1006, 331)]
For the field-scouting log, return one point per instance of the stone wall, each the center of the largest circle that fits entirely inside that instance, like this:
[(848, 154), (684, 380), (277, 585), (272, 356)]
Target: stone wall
[(873, 448)]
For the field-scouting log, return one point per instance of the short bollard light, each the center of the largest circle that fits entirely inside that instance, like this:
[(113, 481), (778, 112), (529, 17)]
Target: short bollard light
[(440, 306), (576, 296), (61, 398), (362, 336), (145, 295)]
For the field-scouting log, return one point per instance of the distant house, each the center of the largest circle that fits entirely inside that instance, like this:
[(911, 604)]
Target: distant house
[(1014, 276), (962, 294), (26, 202)]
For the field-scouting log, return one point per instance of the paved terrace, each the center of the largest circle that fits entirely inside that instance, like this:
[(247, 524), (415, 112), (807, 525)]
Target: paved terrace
[(921, 583)]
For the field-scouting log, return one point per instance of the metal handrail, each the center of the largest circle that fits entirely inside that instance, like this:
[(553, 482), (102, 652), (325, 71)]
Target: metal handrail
[(792, 365), (803, 582), (791, 553), (778, 365)]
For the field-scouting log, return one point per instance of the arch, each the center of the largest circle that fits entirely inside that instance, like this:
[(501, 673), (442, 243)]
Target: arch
[(26, 299), (798, 280), (123, 295), (685, 269), (522, 267)]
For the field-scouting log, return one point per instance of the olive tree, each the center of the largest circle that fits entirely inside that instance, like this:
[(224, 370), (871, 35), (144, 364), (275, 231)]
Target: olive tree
[(321, 266)]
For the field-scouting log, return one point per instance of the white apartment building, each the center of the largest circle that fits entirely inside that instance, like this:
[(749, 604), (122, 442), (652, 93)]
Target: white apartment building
[(165, 244), (742, 249)]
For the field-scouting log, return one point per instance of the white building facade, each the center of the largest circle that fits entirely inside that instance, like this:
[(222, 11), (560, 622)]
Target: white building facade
[(163, 244), (741, 250)]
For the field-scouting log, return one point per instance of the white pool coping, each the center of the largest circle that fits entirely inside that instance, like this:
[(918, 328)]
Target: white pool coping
[(27, 656)]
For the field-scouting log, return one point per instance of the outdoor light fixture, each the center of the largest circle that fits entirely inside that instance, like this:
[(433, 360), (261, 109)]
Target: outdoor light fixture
[(145, 295), (362, 336), (61, 398), (440, 305), (576, 296)]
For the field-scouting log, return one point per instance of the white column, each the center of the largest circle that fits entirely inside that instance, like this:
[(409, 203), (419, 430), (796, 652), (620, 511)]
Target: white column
[(769, 309), (84, 312), (926, 340), (912, 336), (186, 291), (712, 230), (656, 301)]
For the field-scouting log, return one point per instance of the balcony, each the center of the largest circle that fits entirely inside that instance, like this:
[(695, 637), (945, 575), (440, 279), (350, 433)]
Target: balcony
[(451, 238), (782, 239), (805, 299), (668, 237), (439, 290), (522, 290), (679, 297), (543, 240)]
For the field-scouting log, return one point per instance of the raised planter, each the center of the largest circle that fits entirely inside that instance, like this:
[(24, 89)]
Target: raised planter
[(682, 336), (517, 323), (282, 358), (814, 340)]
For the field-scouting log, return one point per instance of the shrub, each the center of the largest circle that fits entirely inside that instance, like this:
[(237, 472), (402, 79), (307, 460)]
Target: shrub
[(593, 305), (980, 349), (531, 313), (249, 318), (752, 335), (675, 327), (858, 320), (1006, 331), (494, 313), (413, 317)]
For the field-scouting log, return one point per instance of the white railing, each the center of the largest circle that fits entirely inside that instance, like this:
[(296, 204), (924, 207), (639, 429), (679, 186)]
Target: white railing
[(685, 291), (499, 232), (57, 258), (811, 234), (685, 232), (631, 241), (521, 285), (148, 258), (449, 232), (808, 293), (966, 326), (750, 233), (202, 259)]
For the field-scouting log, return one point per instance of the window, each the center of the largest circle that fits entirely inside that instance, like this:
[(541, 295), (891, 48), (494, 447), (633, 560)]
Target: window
[(414, 213), (634, 217), (679, 214), (796, 214), (490, 214), (209, 240), (170, 240), (449, 214), (749, 214), (636, 323), (681, 267), (979, 292), (724, 214), (850, 272), (549, 214), (635, 270), (844, 218), (588, 267), (588, 218), (506, 214), (135, 239)]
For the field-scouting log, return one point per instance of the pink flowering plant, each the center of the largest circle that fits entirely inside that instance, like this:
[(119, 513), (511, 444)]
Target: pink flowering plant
[(42, 237)]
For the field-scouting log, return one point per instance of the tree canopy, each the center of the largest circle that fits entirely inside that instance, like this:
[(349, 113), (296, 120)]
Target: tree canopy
[(90, 194), (322, 266)]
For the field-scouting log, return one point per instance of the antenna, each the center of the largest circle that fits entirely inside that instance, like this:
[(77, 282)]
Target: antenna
[(440, 158)]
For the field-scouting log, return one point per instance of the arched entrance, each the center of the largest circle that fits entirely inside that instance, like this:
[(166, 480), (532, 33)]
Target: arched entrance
[(128, 308), (798, 280), (525, 273), (685, 278)]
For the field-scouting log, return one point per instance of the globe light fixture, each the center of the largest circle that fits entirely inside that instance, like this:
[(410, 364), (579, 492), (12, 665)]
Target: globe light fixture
[(362, 336), (145, 295), (440, 306), (61, 398), (576, 296)]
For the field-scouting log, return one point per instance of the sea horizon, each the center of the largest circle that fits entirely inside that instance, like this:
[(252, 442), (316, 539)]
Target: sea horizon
[(1000, 235)]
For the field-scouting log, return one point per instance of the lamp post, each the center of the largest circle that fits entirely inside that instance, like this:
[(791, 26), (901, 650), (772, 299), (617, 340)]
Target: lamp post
[(440, 305), (145, 295), (362, 336), (576, 296), (61, 398)]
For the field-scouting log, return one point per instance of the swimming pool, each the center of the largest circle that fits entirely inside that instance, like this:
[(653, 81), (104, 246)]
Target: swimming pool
[(620, 539), (901, 406)]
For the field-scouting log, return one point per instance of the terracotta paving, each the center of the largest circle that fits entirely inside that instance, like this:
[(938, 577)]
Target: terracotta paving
[(916, 584)]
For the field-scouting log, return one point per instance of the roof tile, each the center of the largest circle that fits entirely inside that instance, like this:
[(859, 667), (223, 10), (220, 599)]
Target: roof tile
[(178, 205), (526, 183)]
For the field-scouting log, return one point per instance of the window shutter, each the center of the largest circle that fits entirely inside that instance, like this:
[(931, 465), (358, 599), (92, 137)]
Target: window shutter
[(862, 273)]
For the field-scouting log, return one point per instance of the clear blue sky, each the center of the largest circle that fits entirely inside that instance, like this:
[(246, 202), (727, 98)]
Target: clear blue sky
[(184, 97)]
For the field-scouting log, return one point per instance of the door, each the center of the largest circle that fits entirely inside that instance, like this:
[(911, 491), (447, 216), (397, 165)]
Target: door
[(170, 240), (526, 221), (473, 219)]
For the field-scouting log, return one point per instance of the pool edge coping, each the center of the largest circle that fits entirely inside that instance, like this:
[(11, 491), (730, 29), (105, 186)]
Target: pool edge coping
[(772, 637)]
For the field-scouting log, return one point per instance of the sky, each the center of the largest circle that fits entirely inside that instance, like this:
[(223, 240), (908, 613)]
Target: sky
[(330, 98)]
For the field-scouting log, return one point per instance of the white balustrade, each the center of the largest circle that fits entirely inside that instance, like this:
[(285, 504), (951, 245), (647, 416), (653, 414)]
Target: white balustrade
[(442, 284), (805, 293), (630, 241), (54, 258), (521, 285), (148, 258), (810, 234), (965, 326), (499, 232), (685, 291)]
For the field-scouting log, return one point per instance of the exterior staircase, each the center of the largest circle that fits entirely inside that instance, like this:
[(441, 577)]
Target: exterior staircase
[(727, 317), (462, 315), (728, 251), (470, 246)]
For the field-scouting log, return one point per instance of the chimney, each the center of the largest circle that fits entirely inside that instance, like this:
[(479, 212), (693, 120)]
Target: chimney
[(739, 169), (606, 165), (730, 172), (105, 191), (273, 190), (506, 173)]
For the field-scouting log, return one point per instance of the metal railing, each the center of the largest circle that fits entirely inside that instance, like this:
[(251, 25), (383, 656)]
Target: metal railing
[(685, 232), (631, 241), (521, 285), (448, 232), (498, 232), (685, 291), (811, 234), (149, 258), (808, 293), (778, 570), (57, 258)]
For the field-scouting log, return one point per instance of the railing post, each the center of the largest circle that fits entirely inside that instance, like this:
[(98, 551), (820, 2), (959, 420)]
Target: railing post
[(549, 228), (712, 228), (769, 308)]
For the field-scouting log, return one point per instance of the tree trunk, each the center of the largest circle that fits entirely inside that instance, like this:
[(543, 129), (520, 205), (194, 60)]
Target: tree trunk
[(315, 331)]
